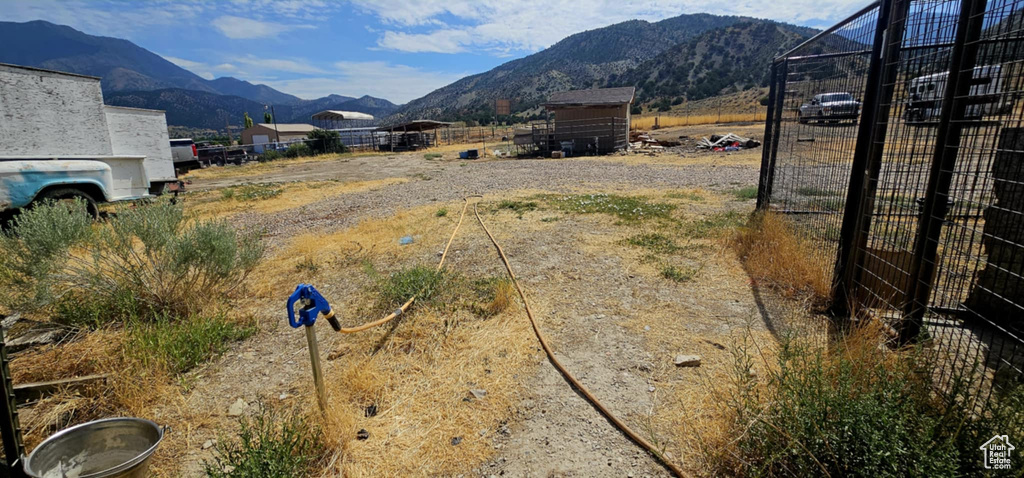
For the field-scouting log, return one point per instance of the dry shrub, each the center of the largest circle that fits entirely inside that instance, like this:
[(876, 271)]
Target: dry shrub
[(775, 255), (667, 120), (504, 295)]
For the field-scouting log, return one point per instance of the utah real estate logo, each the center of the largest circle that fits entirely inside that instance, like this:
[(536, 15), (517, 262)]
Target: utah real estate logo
[(997, 453)]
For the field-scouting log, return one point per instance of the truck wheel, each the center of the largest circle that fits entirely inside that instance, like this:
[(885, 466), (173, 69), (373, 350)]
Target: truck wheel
[(68, 195), (801, 119)]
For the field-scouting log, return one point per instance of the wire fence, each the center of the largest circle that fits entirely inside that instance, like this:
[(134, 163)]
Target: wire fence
[(910, 178)]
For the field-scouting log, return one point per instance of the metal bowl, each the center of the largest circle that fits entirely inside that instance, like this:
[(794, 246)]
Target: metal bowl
[(112, 447)]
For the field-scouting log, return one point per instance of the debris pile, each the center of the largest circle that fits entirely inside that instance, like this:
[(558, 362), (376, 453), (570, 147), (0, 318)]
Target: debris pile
[(727, 142), (642, 140)]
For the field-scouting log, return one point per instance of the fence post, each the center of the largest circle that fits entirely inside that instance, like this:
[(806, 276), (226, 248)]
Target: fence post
[(781, 76), (769, 126), (883, 72), (947, 147)]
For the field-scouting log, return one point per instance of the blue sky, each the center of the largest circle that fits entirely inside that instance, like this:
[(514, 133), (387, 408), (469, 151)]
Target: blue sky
[(395, 49)]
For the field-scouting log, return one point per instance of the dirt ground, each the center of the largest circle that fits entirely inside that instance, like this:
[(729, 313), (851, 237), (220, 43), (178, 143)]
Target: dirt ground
[(611, 313)]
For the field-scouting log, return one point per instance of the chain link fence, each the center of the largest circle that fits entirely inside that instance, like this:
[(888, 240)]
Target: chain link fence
[(896, 140)]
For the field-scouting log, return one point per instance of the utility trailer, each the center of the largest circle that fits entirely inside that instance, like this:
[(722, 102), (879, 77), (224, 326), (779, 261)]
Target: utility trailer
[(59, 141)]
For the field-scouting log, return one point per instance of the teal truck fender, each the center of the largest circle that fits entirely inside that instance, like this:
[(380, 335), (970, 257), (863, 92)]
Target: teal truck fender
[(22, 181)]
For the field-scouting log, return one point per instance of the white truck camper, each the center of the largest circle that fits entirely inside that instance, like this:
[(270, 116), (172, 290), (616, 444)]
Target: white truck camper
[(59, 141)]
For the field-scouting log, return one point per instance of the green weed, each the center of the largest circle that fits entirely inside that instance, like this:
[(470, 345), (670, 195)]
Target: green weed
[(180, 345), (627, 208), (714, 224), (442, 212), (424, 282), (746, 193), (687, 195), (252, 192), (679, 274), (270, 444), (432, 156), (655, 242)]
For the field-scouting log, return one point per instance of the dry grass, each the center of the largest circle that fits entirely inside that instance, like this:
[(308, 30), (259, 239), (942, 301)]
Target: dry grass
[(419, 382), (776, 256), (256, 168), (210, 204), (416, 371), (129, 390), (646, 122)]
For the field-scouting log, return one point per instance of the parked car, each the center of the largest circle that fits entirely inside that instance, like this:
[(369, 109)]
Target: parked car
[(831, 107), (236, 155), (925, 95), (185, 154), (211, 154)]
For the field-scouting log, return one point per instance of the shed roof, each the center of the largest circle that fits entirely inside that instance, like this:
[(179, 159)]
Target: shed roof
[(289, 127), (337, 115), (416, 125), (594, 97)]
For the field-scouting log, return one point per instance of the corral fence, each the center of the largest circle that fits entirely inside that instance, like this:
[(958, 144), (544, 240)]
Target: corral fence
[(911, 178), (575, 137), (217, 155)]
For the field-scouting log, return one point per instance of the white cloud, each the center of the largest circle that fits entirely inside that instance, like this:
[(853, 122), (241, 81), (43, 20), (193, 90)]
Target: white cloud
[(501, 26), (439, 41), (239, 28), (107, 18), (397, 83), (277, 64)]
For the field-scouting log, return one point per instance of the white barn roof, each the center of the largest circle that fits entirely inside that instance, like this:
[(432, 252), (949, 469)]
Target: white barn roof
[(335, 115)]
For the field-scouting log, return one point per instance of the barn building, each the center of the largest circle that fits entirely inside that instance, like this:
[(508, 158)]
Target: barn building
[(585, 122)]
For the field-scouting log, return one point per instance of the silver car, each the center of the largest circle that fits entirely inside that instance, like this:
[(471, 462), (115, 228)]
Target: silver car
[(831, 107)]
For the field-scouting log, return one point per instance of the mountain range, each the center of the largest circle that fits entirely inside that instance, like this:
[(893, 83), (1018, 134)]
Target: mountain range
[(133, 76), (691, 56)]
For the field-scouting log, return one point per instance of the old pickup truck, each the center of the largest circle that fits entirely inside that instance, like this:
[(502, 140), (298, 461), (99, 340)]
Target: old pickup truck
[(59, 141), (91, 179)]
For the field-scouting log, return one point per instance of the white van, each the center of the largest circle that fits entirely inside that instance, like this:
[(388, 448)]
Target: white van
[(925, 95)]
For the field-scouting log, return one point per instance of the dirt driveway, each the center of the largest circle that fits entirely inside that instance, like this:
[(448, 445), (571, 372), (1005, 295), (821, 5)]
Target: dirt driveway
[(615, 317)]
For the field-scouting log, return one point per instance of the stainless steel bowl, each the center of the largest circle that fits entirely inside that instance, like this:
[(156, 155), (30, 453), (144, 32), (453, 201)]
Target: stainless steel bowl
[(112, 447)]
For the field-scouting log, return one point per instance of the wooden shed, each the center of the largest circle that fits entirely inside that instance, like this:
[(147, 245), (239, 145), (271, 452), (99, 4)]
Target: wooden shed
[(592, 121)]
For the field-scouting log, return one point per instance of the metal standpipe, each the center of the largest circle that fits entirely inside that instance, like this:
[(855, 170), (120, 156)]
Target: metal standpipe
[(313, 304), (318, 376)]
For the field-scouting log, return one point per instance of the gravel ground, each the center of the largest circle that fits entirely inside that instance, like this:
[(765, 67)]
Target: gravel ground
[(452, 183)]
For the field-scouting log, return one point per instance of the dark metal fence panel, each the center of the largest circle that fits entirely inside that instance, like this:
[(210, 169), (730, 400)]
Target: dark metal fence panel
[(820, 86), (921, 204)]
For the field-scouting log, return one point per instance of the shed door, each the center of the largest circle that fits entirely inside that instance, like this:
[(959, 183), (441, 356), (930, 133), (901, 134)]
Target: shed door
[(258, 141)]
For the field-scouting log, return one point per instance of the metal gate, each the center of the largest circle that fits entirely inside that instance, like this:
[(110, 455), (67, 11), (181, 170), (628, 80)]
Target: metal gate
[(896, 140)]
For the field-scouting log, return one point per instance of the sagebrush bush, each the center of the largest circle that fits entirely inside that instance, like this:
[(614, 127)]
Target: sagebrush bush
[(298, 150), (270, 155), (271, 444), (854, 409), (147, 261), (32, 248)]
